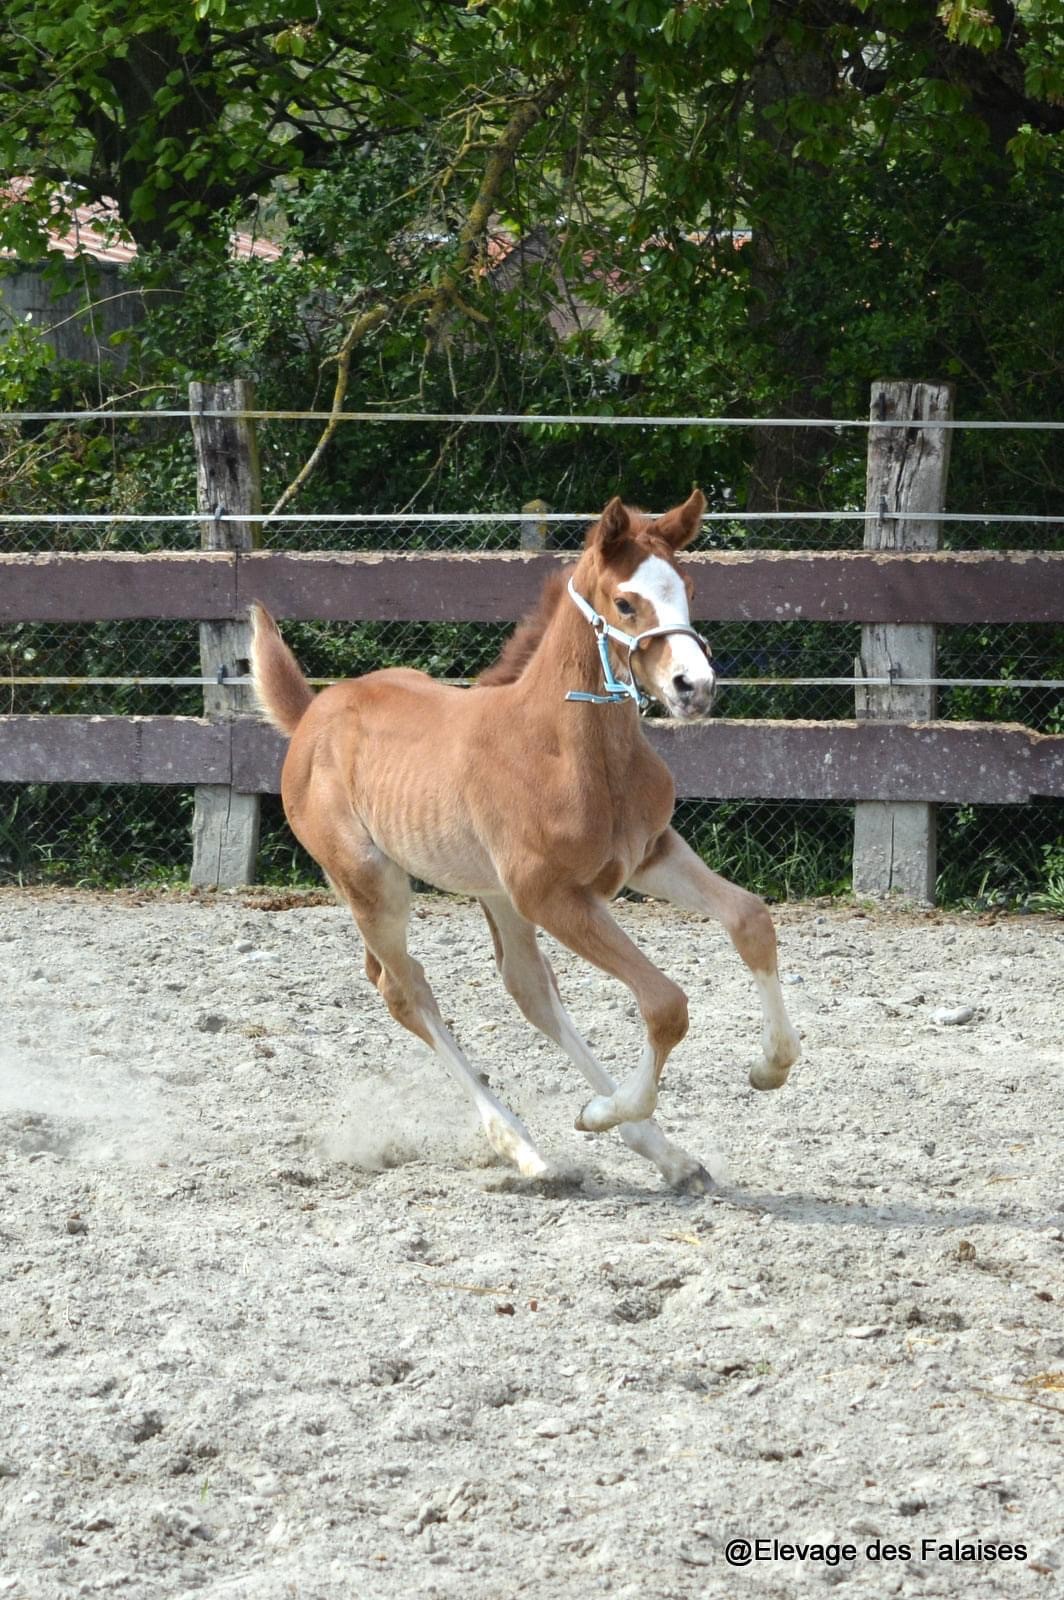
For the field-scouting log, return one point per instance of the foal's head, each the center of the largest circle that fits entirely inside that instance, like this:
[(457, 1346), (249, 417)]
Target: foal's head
[(637, 585)]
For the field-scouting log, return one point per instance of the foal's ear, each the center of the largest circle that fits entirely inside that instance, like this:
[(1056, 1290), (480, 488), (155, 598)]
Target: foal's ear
[(682, 524), (613, 527)]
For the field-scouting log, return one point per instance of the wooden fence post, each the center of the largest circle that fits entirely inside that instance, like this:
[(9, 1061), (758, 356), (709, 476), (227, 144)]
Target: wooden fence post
[(225, 828), (894, 843), (535, 532)]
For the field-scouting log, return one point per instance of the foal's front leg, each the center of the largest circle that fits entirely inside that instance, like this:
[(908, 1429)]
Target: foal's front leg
[(674, 872), (528, 977), (580, 920)]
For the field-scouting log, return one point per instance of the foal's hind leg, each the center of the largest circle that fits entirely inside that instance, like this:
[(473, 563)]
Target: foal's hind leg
[(529, 979), (378, 893), (674, 872)]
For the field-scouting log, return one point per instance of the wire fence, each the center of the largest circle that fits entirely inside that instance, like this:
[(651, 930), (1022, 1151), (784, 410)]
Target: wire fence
[(989, 672), (111, 834), (496, 530)]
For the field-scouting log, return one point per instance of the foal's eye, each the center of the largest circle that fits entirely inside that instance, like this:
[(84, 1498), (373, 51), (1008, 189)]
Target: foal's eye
[(625, 609)]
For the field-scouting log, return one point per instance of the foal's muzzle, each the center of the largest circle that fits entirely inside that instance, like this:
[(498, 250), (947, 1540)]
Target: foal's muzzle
[(689, 688), (691, 699)]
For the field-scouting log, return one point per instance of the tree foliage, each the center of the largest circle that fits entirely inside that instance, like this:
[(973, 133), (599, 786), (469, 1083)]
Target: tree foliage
[(893, 169)]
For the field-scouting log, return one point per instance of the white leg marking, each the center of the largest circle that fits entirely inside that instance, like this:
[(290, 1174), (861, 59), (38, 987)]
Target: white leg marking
[(633, 1101), (779, 1038), (644, 1137), (505, 1132), (686, 881)]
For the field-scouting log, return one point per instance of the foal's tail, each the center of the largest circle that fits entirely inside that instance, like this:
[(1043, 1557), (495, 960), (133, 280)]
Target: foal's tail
[(282, 690)]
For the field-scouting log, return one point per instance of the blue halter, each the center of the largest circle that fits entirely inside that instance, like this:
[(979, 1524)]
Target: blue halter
[(616, 690)]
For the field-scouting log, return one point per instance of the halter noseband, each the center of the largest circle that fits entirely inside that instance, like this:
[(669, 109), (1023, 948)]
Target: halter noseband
[(616, 690)]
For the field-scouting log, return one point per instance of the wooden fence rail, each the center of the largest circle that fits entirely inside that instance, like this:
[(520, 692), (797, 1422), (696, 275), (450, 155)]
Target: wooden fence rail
[(946, 587), (945, 763)]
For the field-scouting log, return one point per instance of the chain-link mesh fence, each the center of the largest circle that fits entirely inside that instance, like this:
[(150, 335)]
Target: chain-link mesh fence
[(110, 834)]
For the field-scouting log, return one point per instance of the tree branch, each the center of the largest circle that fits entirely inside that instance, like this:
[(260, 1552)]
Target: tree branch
[(441, 297), (500, 159), (358, 330)]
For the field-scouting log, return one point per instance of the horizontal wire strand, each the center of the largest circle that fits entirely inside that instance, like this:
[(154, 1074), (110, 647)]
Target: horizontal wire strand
[(472, 518), (526, 419), (722, 682)]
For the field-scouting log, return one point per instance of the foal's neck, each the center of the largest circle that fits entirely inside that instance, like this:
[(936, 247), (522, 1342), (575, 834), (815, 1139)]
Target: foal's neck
[(567, 657)]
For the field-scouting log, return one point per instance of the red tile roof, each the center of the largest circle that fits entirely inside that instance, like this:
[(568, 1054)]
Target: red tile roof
[(96, 230)]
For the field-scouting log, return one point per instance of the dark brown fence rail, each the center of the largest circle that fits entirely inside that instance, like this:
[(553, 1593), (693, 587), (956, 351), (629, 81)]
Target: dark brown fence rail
[(948, 763), (947, 587)]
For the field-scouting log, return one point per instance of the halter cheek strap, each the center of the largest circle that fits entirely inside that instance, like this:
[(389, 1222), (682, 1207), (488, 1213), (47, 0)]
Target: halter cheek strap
[(616, 690)]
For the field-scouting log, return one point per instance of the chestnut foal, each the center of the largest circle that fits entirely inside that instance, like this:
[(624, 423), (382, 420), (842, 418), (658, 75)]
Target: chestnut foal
[(537, 792)]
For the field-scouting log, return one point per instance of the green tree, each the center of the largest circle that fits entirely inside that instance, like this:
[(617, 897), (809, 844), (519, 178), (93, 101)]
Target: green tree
[(883, 156)]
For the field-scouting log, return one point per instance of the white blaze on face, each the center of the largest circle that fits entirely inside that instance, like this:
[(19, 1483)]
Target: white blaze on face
[(660, 584)]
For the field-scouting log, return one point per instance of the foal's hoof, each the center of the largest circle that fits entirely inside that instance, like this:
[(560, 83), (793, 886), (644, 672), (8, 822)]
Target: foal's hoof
[(595, 1116), (695, 1183), (766, 1077), (605, 1111), (780, 1050)]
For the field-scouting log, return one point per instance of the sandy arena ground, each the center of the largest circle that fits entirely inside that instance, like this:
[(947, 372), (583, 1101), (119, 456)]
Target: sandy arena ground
[(272, 1323)]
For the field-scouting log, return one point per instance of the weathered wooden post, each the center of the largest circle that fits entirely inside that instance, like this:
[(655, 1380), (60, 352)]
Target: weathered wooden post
[(894, 845), (535, 532), (225, 828)]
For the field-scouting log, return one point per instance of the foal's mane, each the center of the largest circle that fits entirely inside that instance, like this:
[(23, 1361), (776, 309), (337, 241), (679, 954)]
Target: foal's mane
[(522, 644)]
